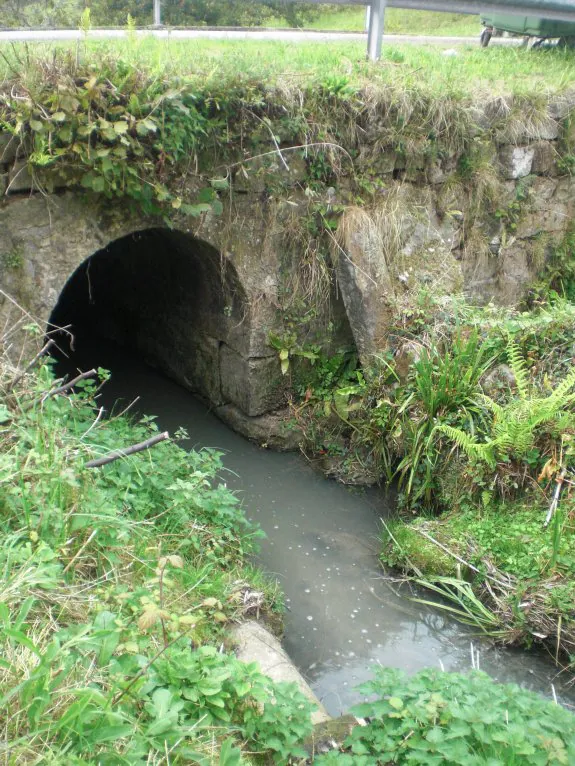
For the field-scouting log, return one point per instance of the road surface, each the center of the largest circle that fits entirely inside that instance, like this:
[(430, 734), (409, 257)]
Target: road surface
[(281, 35)]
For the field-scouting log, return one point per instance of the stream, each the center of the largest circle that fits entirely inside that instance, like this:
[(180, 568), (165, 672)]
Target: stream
[(343, 614)]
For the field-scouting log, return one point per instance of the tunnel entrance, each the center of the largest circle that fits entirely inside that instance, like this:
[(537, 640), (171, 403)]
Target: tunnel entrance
[(175, 301)]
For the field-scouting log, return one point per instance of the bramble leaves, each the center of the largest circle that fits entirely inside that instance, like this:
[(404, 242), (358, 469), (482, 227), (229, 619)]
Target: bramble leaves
[(119, 142)]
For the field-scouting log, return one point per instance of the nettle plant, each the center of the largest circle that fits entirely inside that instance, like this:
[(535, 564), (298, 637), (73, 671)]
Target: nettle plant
[(443, 719)]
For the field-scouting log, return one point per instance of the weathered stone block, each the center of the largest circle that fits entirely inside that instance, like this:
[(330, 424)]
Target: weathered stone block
[(565, 191), (562, 105), (8, 148), (516, 161), (256, 644), (273, 430), (20, 179), (549, 218), (260, 173), (515, 272), (385, 162), (481, 120), (543, 189), (206, 369), (545, 129), (438, 171), (544, 158), (255, 385)]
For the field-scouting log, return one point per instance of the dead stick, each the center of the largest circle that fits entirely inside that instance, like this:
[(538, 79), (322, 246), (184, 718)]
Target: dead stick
[(117, 454), (70, 384), (461, 561), (144, 670), (555, 501), (20, 375), (60, 389), (82, 549)]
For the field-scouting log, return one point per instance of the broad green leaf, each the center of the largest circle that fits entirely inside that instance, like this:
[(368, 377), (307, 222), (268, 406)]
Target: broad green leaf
[(229, 754), (99, 184), (217, 207), (110, 733)]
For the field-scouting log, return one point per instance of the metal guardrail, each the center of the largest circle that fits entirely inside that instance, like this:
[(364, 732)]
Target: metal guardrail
[(549, 9)]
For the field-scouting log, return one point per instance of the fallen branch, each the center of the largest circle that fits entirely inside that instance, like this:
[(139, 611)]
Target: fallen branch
[(117, 454), (70, 384)]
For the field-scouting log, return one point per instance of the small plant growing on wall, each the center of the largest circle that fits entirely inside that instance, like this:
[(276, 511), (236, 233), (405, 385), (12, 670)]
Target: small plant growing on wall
[(12, 259)]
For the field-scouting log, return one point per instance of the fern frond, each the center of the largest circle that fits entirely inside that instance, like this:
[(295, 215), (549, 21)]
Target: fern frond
[(519, 368), (561, 393), (472, 448), (488, 402)]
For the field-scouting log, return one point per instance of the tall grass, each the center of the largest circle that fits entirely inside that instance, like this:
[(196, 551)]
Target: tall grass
[(443, 387), (410, 68)]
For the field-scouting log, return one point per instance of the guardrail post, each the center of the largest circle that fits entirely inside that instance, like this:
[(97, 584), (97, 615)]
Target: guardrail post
[(375, 31), (157, 13)]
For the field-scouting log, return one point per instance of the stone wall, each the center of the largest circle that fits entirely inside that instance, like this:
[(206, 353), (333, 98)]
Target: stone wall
[(478, 222)]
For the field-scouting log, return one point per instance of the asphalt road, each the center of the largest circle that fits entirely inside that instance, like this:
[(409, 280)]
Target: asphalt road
[(283, 35)]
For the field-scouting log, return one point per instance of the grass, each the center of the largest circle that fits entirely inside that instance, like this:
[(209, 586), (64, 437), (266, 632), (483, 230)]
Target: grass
[(397, 22), (529, 568), (410, 69)]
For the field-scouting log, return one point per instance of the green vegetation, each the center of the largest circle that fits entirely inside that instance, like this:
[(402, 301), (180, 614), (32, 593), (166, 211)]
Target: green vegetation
[(109, 13), (409, 69), (448, 719), (398, 21), (479, 432), (123, 124), (269, 13), (118, 584), (120, 581)]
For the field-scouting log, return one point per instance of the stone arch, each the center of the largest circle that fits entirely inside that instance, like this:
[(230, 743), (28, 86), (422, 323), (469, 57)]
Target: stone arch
[(176, 300)]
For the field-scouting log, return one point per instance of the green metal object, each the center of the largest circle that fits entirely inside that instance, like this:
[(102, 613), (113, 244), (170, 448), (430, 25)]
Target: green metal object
[(534, 26)]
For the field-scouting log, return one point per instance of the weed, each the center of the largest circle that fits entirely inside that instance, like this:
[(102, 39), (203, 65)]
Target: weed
[(114, 584), (447, 718), (12, 259)]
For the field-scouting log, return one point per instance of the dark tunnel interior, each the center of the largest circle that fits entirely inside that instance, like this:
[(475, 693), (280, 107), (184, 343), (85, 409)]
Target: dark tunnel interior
[(162, 295)]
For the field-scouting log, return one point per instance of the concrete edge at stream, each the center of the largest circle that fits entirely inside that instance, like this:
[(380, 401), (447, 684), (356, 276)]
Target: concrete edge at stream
[(256, 644)]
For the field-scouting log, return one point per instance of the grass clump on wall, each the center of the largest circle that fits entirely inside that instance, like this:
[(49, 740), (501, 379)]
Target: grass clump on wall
[(168, 125)]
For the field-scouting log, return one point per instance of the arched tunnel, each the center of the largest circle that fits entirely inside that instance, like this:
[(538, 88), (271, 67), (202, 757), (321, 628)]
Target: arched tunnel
[(175, 301)]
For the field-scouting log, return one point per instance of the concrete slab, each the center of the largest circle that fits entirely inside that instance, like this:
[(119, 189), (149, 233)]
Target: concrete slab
[(256, 644)]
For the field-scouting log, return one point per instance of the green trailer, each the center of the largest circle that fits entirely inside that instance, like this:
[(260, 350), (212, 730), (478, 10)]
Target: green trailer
[(527, 26)]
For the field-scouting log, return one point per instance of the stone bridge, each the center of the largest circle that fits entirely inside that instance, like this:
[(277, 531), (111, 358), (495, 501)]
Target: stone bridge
[(200, 299)]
